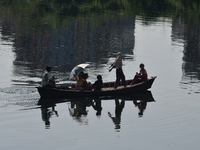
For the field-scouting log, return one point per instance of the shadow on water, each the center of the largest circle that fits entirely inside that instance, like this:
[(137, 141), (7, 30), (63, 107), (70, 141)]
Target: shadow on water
[(78, 108)]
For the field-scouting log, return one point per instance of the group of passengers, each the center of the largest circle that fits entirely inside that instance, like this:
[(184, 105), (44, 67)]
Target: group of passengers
[(83, 84), (81, 78), (81, 81)]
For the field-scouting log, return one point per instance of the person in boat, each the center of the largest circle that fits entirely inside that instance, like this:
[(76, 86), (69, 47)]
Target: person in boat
[(47, 81), (79, 81), (119, 72), (86, 85), (141, 76), (98, 84)]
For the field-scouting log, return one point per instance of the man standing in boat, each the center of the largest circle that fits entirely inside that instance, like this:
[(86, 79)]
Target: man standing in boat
[(119, 72)]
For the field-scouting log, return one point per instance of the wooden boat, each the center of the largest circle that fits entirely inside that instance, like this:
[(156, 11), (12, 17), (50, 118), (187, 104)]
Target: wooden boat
[(64, 91)]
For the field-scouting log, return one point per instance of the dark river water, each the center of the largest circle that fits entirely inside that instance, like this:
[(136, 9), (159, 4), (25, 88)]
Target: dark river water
[(163, 36)]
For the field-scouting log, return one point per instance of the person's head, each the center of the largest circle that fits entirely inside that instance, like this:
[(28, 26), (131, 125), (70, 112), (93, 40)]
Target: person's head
[(85, 75), (119, 54), (141, 65), (48, 68), (99, 77), (80, 75)]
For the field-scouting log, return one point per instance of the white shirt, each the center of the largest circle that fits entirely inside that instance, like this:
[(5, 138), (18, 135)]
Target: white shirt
[(118, 61), (45, 78)]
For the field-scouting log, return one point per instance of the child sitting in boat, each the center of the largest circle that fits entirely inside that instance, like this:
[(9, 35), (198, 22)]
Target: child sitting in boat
[(97, 86), (142, 76)]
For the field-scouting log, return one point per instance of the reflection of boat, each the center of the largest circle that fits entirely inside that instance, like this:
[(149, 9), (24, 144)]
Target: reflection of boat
[(108, 90), (145, 96), (142, 96)]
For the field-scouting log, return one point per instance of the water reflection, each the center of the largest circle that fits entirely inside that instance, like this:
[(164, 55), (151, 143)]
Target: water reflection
[(47, 111), (96, 104), (119, 106), (78, 108), (80, 42), (140, 100), (38, 44), (40, 40), (141, 107), (191, 57), (185, 33)]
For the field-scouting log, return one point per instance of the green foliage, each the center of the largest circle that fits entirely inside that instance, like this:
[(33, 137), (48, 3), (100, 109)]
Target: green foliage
[(51, 11)]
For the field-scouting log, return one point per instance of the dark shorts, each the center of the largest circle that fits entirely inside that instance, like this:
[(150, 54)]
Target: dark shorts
[(120, 74)]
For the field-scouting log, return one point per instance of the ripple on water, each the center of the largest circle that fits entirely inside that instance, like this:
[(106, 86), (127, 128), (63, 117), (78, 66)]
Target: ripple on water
[(190, 86), (18, 96), (18, 90)]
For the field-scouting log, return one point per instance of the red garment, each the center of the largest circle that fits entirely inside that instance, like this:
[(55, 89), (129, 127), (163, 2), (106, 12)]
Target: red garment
[(142, 76)]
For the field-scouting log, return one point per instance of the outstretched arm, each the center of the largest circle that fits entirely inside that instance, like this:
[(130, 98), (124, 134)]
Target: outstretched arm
[(111, 67)]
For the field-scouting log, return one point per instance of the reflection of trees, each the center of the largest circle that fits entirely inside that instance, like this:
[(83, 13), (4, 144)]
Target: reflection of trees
[(186, 29), (187, 32), (82, 42), (38, 44), (76, 7), (42, 36), (66, 7), (155, 8), (192, 49)]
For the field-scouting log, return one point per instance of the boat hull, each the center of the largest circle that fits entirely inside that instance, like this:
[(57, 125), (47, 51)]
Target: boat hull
[(108, 90)]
